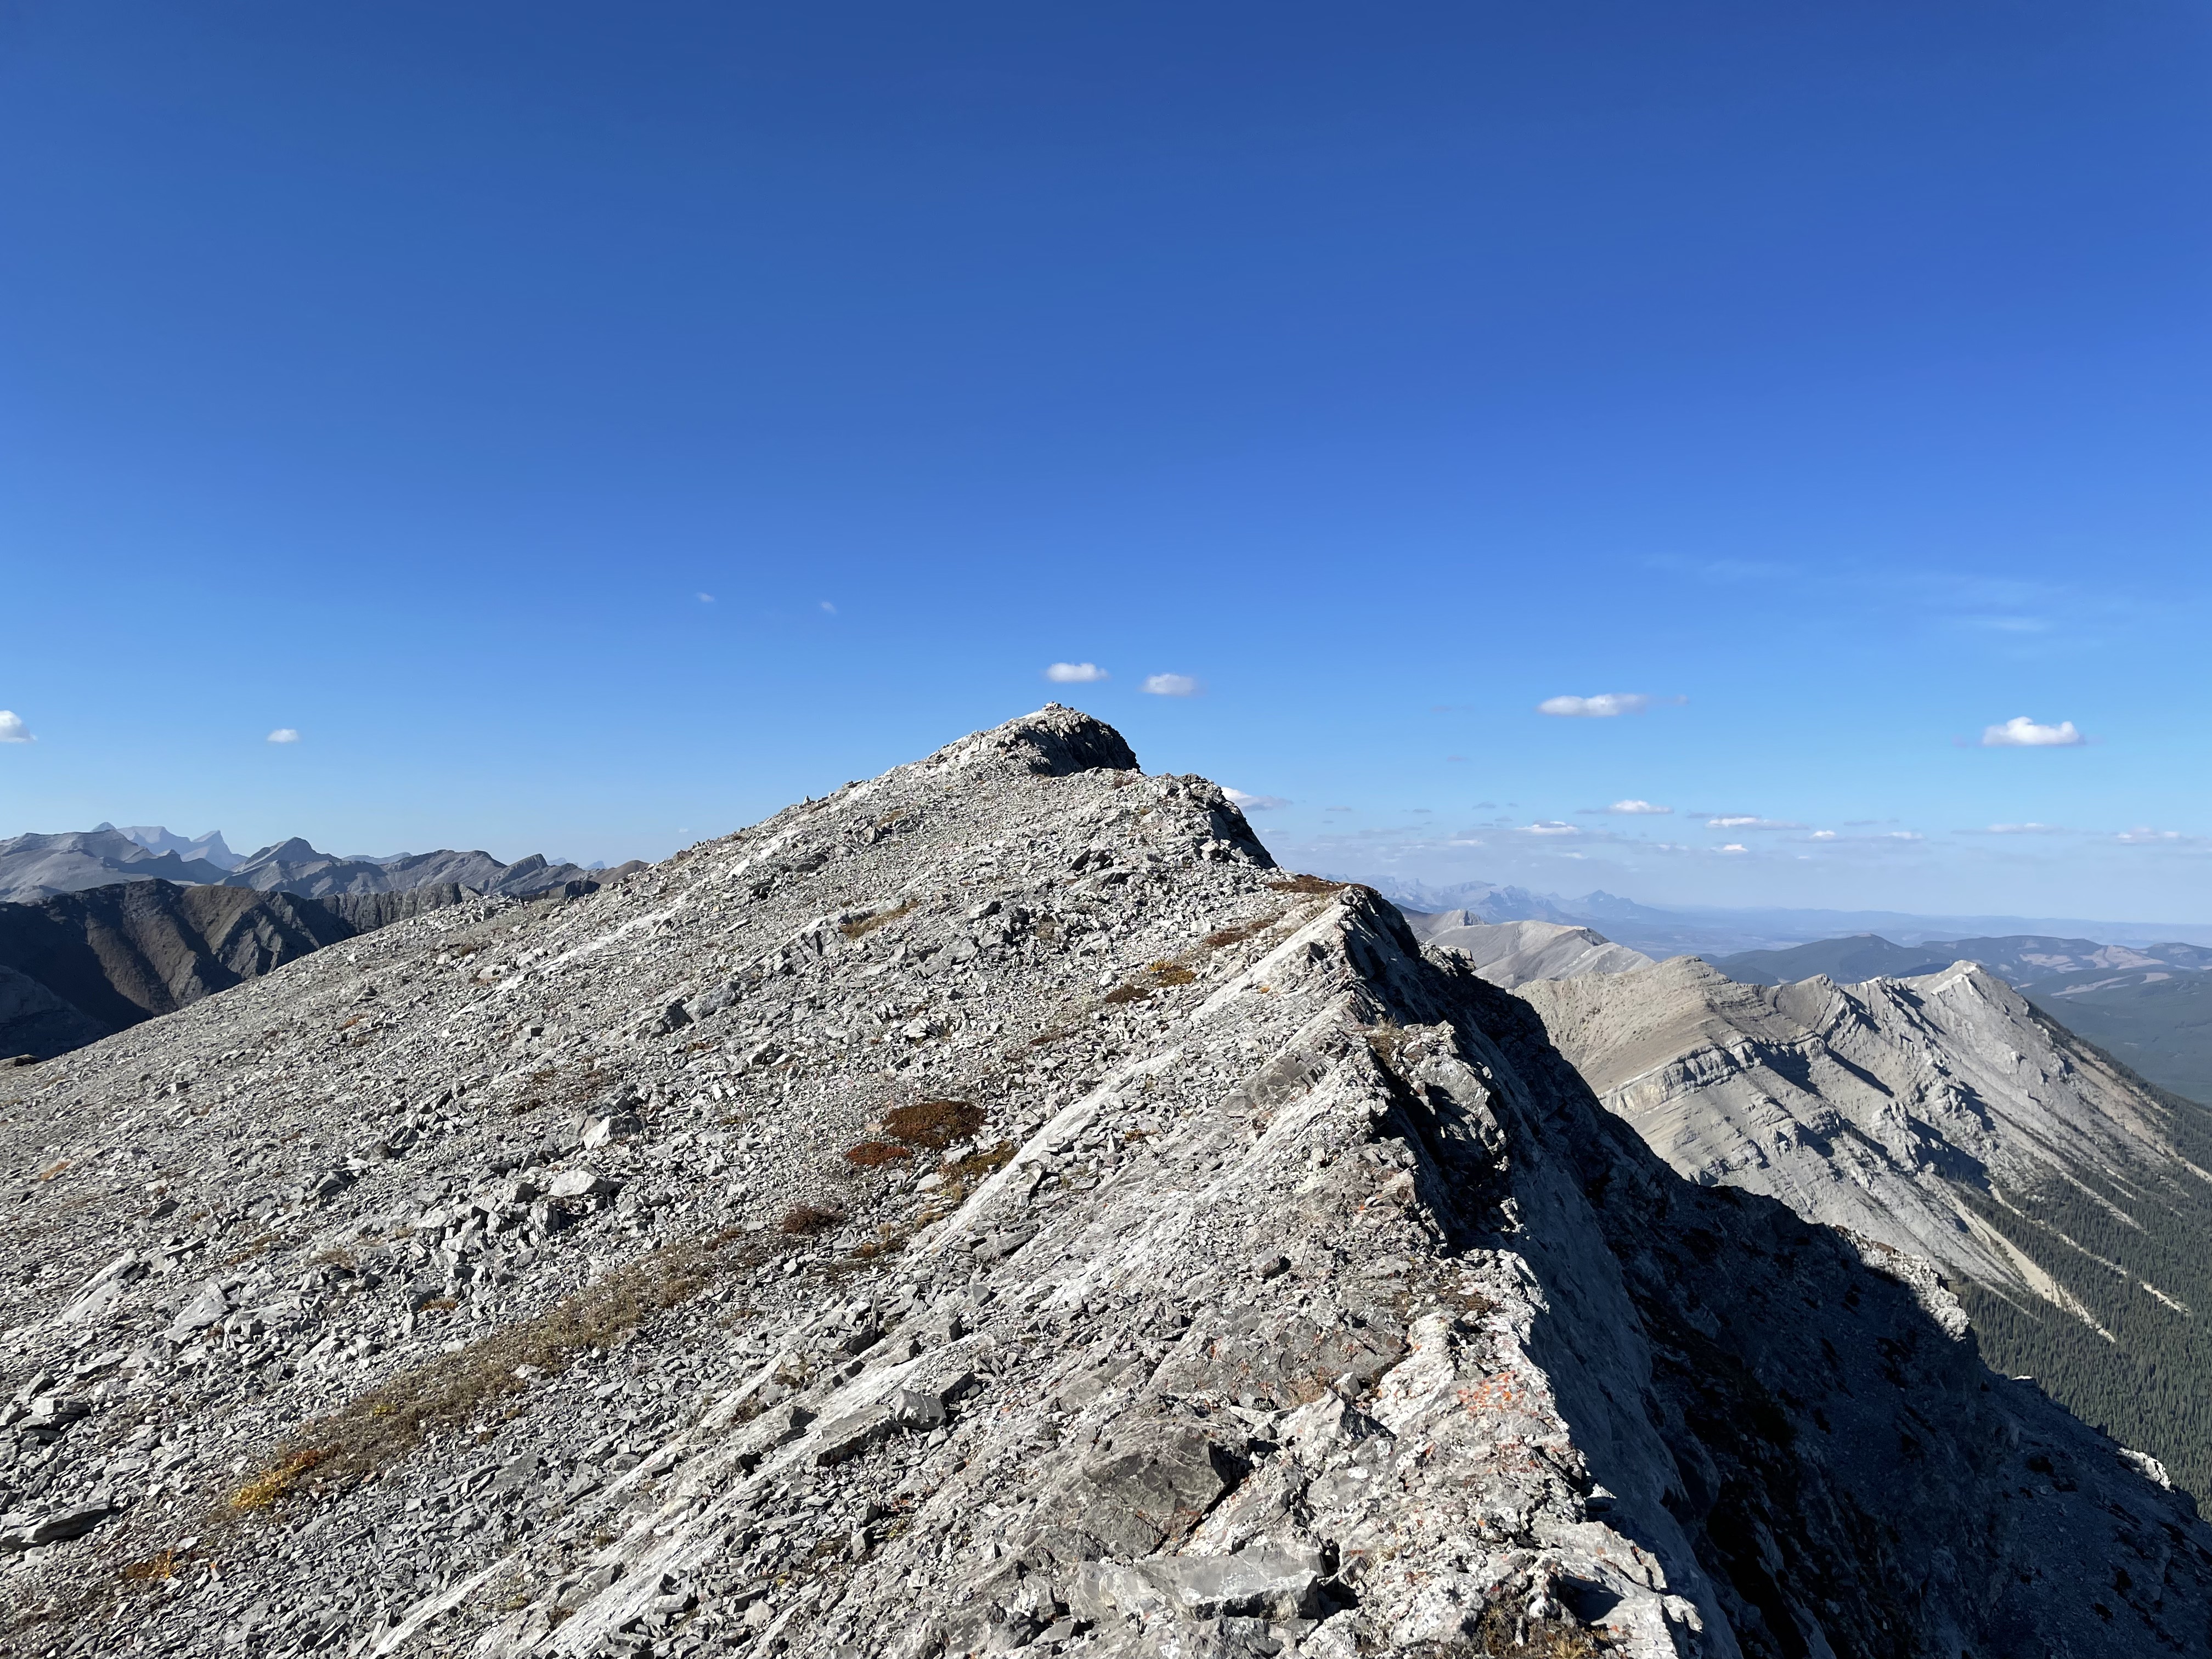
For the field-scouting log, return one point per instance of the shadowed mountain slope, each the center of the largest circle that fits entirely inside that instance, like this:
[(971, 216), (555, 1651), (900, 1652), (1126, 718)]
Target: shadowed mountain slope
[(2066, 1200), (85, 965), (989, 1207)]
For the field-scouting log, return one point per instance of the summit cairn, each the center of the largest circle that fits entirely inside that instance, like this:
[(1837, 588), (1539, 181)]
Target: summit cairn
[(989, 1208)]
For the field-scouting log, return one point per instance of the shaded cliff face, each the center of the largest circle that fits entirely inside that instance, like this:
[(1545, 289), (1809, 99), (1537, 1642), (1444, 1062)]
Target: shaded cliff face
[(85, 965), (92, 963), (124, 953), (990, 1207), (2065, 1199)]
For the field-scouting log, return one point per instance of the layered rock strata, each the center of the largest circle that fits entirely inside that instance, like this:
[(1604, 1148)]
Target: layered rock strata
[(2065, 1199)]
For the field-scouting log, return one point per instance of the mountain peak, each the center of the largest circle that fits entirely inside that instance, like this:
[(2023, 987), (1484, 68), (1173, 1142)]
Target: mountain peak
[(990, 1200)]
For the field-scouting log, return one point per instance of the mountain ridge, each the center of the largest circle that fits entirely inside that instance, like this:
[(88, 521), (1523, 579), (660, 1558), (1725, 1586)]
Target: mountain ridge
[(35, 866), (988, 1207)]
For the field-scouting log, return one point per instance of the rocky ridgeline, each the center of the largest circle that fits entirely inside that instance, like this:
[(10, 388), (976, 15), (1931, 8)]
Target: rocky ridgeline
[(989, 1208)]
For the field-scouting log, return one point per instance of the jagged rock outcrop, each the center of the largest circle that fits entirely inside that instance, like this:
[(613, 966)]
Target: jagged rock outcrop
[(988, 1208), (1512, 953), (2067, 1200)]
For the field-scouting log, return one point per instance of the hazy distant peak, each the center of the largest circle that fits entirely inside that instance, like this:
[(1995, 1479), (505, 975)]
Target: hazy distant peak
[(211, 849)]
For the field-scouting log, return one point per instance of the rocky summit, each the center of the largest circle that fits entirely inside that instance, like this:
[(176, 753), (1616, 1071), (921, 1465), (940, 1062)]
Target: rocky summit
[(990, 1208)]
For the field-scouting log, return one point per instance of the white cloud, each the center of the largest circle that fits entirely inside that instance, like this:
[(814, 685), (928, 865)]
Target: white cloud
[(1637, 808), (2143, 836), (1604, 706), (1550, 827), (1254, 803), (1735, 846), (704, 598), (1824, 835), (1750, 821), (1076, 673), (1172, 685), (12, 729), (2024, 830), (828, 608), (2021, 732), (1903, 834), (284, 734)]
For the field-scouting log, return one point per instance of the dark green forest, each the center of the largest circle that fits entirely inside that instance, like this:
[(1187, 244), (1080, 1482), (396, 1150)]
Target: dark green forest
[(2150, 1386)]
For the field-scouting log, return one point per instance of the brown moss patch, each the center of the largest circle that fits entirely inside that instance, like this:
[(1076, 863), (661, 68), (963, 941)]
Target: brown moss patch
[(874, 1154), (1308, 884), (935, 1124), (803, 1220)]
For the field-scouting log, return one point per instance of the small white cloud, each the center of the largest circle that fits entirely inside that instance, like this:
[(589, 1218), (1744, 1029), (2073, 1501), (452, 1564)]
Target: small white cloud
[(1604, 706), (2021, 732), (1735, 846), (2143, 836), (704, 598), (2024, 830), (284, 734), (1730, 821), (1076, 673), (12, 729), (1172, 685), (1254, 802), (828, 608), (1637, 808), (1550, 827), (1903, 834), (1824, 835)]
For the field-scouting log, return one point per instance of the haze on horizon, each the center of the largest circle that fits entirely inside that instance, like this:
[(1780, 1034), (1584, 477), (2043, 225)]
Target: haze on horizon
[(1728, 455)]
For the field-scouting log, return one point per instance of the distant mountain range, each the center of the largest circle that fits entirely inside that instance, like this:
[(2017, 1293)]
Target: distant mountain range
[(2017, 958), (102, 928), (40, 867), (1712, 932)]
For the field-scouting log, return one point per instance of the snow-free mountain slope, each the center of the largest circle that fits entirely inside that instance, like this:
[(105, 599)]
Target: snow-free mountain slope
[(1510, 953), (1044, 1226), (2065, 1199)]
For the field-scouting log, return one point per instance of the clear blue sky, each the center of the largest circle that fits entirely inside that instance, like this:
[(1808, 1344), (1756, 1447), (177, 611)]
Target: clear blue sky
[(404, 375)]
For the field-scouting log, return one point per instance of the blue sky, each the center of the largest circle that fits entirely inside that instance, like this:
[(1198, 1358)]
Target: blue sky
[(1833, 377)]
